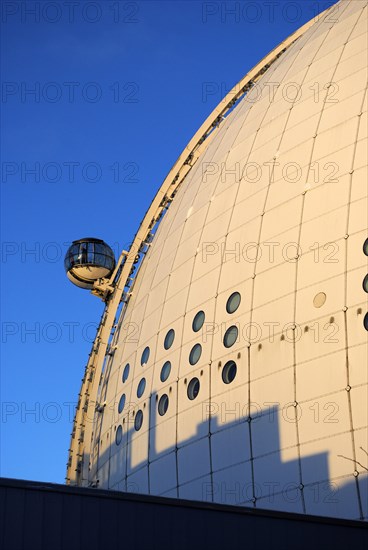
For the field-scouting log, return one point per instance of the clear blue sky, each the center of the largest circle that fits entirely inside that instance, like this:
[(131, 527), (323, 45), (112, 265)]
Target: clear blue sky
[(119, 88)]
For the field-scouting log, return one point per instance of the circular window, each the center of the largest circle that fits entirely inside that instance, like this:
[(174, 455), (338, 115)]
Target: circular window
[(141, 387), (145, 356), (233, 302), (229, 372), (195, 354), (193, 388), (163, 404), (121, 403), (198, 321), (119, 435), (138, 421), (319, 299), (169, 338), (365, 322), (165, 371), (230, 336), (365, 283), (365, 247), (126, 373)]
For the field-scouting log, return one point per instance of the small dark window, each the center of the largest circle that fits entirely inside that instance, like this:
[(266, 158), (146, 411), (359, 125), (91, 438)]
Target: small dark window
[(195, 354), (145, 356), (365, 247), (198, 321), (365, 283), (138, 421), (233, 302), (126, 372), (121, 403), (193, 388), (229, 372), (169, 339), (163, 404), (141, 387), (366, 321), (230, 336), (165, 371), (119, 435)]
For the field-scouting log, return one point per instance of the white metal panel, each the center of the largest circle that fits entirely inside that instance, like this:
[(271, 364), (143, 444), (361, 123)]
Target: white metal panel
[(200, 489), (262, 361), (233, 485), (163, 428), (193, 461), (325, 335), (230, 446), (324, 416), (175, 304), (321, 376), (192, 419), (359, 406), (203, 289), (332, 498), (187, 249), (273, 427), (138, 444), (358, 359), (272, 475), (138, 482), (163, 474), (180, 277)]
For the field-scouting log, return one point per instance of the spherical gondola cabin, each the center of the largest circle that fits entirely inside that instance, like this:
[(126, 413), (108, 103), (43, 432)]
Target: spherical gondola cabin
[(88, 260)]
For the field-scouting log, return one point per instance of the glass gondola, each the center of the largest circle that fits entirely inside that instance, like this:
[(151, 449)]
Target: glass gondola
[(87, 260)]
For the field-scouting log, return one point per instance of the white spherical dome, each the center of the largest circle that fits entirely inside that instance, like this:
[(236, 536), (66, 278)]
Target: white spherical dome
[(240, 369)]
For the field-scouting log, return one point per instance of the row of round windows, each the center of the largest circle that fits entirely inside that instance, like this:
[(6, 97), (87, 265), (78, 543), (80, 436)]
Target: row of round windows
[(162, 407), (229, 340), (228, 372), (228, 375), (365, 284)]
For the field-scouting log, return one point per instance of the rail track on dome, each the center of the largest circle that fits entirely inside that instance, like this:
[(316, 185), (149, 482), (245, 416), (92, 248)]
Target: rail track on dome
[(115, 291)]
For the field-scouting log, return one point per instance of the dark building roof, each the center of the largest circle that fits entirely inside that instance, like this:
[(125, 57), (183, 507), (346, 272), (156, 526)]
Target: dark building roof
[(43, 516)]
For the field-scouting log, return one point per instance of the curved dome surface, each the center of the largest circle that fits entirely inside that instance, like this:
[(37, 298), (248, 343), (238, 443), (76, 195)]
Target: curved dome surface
[(244, 333)]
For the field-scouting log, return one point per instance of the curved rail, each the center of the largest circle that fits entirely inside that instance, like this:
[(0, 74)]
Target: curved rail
[(81, 439)]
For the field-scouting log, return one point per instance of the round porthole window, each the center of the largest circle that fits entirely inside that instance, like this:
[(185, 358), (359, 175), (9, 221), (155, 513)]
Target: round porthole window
[(165, 371), (365, 322), (141, 387), (126, 372), (163, 404), (233, 302), (169, 339), (193, 388), (195, 354), (121, 403), (145, 356), (198, 321), (119, 435), (365, 247), (230, 336), (319, 299), (138, 421), (229, 372), (365, 283)]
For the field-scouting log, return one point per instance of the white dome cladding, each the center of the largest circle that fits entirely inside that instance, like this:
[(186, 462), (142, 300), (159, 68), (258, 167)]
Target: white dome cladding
[(273, 412)]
